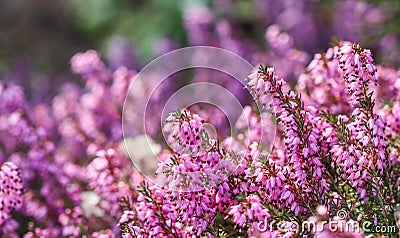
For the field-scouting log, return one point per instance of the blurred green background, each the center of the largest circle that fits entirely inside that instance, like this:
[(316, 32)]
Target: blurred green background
[(47, 33), (44, 34)]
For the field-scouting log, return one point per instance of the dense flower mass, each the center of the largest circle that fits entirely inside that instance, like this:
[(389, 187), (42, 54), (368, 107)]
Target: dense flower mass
[(325, 164), (11, 191), (66, 172), (186, 132)]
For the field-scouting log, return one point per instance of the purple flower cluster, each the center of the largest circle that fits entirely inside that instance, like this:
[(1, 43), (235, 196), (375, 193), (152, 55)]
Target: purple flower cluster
[(73, 168), (327, 159), (11, 189), (66, 173)]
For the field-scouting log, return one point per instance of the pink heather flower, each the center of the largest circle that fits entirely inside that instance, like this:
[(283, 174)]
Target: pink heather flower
[(299, 140), (90, 66), (72, 222), (392, 117), (358, 69), (103, 180), (289, 62), (9, 228), (389, 85), (185, 132), (122, 77), (369, 147), (169, 213), (324, 84), (10, 190), (185, 173), (260, 84), (39, 232), (12, 97)]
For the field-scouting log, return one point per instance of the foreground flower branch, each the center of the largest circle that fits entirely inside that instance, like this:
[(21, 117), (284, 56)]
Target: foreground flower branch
[(341, 165)]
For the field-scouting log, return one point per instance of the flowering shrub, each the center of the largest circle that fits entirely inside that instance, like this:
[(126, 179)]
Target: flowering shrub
[(65, 173), (327, 159)]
